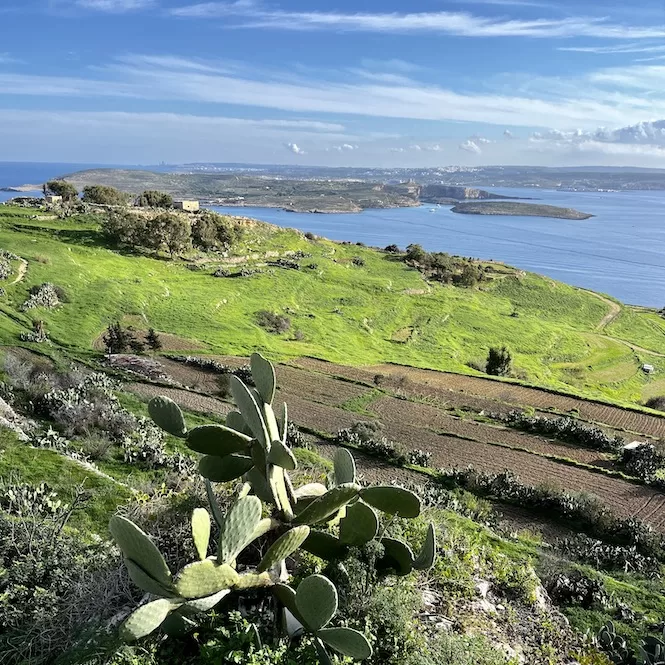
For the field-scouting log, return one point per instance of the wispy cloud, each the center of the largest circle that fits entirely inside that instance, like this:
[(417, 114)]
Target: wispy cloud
[(464, 24), (615, 48), (115, 6), (611, 96)]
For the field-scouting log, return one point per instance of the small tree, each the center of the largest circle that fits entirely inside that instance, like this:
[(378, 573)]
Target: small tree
[(172, 231), (62, 188), (103, 195), (416, 254), (153, 341), (135, 344), (468, 277), (499, 362), (117, 339), (154, 199)]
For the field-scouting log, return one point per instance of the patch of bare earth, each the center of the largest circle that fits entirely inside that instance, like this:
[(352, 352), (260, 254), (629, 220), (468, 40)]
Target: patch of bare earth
[(185, 398), (393, 410), (497, 395)]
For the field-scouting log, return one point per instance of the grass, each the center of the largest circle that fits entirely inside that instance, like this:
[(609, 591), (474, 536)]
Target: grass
[(342, 312), (23, 464)]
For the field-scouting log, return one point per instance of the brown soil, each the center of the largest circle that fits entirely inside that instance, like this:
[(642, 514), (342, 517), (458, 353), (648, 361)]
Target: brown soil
[(186, 399), (169, 342)]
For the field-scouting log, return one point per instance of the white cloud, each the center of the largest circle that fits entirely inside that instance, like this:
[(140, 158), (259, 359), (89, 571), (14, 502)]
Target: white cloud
[(115, 6), (508, 134), (294, 148), (434, 148), (345, 147), (470, 146), (443, 22), (416, 147), (616, 48), (397, 150)]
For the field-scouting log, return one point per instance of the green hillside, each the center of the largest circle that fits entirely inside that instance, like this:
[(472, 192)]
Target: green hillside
[(378, 311)]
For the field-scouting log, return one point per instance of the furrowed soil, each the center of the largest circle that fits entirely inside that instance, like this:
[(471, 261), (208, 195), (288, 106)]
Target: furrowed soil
[(316, 399)]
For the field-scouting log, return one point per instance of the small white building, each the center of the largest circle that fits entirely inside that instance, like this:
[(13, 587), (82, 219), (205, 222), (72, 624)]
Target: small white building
[(187, 206), (53, 198), (648, 369)]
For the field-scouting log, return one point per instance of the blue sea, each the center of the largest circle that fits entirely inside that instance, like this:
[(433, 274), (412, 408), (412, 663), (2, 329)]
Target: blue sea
[(620, 251)]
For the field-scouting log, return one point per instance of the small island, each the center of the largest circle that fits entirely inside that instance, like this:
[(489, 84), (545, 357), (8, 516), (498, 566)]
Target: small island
[(513, 208)]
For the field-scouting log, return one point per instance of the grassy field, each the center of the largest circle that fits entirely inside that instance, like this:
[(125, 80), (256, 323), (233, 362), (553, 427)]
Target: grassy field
[(338, 310)]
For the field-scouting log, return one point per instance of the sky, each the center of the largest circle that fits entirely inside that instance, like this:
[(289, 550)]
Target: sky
[(344, 83)]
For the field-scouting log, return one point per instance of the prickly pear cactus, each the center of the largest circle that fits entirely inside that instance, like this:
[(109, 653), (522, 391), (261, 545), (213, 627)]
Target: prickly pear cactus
[(325, 520)]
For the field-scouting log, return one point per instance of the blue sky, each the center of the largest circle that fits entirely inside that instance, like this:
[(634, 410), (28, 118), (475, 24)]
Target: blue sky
[(425, 82)]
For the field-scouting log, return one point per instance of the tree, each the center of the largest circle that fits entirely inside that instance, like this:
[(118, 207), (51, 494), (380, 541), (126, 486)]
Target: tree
[(62, 188), (153, 341), (154, 199), (122, 227), (393, 249), (103, 195), (499, 362), (169, 230), (416, 254), (468, 276), (210, 230), (117, 339)]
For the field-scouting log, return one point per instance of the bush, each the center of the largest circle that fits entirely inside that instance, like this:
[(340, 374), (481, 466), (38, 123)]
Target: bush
[(576, 588), (221, 272), (103, 195), (274, 323), (213, 231), (56, 588), (367, 437), (499, 362), (358, 261), (643, 462), (45, 295), (609, 557), (310, 236), (393, 249), (154, 199), (62, 188), (657, 403), (153, 340), (420, 458), (564, 429)]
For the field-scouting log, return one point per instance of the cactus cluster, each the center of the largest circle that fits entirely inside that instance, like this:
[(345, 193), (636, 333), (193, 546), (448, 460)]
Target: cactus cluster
[(325, 520), (651, 651)]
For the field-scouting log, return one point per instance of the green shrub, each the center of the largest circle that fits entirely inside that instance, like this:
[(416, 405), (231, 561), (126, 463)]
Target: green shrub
[(154, 199), (274, 323), (104, 195), (499, 362)]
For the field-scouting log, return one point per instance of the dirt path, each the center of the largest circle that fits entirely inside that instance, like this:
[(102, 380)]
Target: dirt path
[(22, 269), (615, 309), (634, 347)]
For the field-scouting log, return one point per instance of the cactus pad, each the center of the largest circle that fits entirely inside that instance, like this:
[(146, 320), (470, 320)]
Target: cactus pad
[(311, 490), (427, 555), (147, 583), (259, 485), (137, 547), (345, 467), (235, 421), (251, 411), (263, 374), (325, 546), (398, 557), (284, 546), (254, 581), (205, 604), (392, 500), (205, 578), (167, 414), (223, 469), (283, 422), (146, 619), (346, 641), (217, 440), (316, 599), (238, 528), (359, 525), (328, 504), (281, 456), (279, 492), (201, 531), (214, 506)]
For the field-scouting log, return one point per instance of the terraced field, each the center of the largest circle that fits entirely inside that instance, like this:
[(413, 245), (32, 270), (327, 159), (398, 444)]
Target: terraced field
[(321, 401)]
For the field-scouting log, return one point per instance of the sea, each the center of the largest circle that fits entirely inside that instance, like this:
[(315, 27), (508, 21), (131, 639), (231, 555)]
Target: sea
[(620, 251)]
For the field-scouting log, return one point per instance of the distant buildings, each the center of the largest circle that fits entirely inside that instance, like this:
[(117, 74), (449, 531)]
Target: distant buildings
[(187, 206), (648, 369)]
